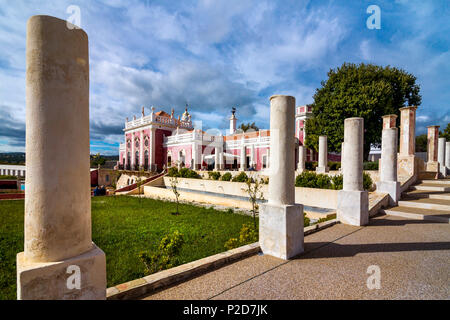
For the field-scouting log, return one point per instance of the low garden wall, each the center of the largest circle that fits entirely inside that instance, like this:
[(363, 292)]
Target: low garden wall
[(322, 198)]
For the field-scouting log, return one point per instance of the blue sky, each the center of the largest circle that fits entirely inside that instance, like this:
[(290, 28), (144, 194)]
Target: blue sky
[(214, 55)]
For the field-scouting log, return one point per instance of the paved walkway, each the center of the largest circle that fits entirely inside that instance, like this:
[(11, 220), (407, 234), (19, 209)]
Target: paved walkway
[(413, 256)]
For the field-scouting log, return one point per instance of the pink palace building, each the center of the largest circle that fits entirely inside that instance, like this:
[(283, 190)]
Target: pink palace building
[(160, 140)]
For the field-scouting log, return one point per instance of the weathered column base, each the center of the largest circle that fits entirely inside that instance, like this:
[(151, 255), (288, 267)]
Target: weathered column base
[(322, 169), (432, 166), (353, 207), (407, 165), (392, 188), (281, 230), (49, 280), (443, 171)]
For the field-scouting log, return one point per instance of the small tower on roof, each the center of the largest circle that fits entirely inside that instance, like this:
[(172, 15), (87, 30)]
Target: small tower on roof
[(185, 116), (233, 120)]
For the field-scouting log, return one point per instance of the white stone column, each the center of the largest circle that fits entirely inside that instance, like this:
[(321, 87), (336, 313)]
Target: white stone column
[(141, 148), (432, 149), (441, 157), (301, 159), (152, 150), (353, 201), (58, 241), (408, 165), (388, 165), (281, 220), (322, 165), (243, 158), (447, 156), (216, 158)]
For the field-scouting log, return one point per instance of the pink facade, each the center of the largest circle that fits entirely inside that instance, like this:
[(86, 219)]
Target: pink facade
[(161, 140)]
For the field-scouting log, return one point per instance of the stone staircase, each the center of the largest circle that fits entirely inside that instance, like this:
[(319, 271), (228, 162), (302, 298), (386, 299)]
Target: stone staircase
[(427, 200)]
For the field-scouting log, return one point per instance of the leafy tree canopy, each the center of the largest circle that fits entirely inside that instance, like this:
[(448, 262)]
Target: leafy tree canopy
[(248, 127), (421, 143), (364, 90), (446, 133)]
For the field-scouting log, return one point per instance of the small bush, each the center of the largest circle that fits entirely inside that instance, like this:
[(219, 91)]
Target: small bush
[(165, 255), (370, 165), (226, 176), (367, 181), (241, 177), (306, 220), (334, 165), (308, 179), (173, 172), (323, 181), (248, 234), (214, 175), (310, 165), (338, 182)]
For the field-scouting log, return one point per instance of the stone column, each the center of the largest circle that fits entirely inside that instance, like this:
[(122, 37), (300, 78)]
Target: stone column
[(353, 201), (432, 149), (441, 157), (447, 155), (389, 121), (216, 159), (58, 244), (301, 159), (243, 157), (281, 220), (322, 165), (407, 131), (141, 148), (388, 165), (152, 150), (407, 162)]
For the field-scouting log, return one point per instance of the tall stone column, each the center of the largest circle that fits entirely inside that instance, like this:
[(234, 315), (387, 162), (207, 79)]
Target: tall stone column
[(407, 163), (432, 149), (216, 159), (322, 165), (301, 159), (60, 261), (281, 220), (353, 201), (447, 155), (152, 151), (388, 165), (441, 157), (141, 148), (243, 158)]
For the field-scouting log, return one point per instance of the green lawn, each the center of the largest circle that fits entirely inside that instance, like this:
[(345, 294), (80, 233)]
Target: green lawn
[(122, 227)]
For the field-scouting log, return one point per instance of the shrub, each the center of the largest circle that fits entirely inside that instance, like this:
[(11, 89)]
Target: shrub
[(165, 255), (173, 172), (226, 176), (308, 179), (241, 177), (338, 182), (370, 165), (214, 175), (323, 181), (333, 165), (248, 234), (367, 181), (310, 165), (306, 220)]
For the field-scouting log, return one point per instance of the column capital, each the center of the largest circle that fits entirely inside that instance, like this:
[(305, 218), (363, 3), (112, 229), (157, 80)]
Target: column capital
[(389, 121), (408, 108)]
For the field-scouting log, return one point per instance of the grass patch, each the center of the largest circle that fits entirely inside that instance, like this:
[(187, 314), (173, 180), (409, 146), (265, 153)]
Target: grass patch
[(123, 227)]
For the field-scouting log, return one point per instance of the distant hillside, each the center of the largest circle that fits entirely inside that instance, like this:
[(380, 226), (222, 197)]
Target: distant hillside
[(12, 158), (19, 158)]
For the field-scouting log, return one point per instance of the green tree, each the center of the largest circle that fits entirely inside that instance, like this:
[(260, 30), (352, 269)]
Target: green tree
[(446, 133), (421, 143), (363, 90), (246, 127), (97, 160)]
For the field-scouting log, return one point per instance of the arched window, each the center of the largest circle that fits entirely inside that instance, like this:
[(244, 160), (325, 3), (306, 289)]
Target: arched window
[(136, 159), (145, 159)]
